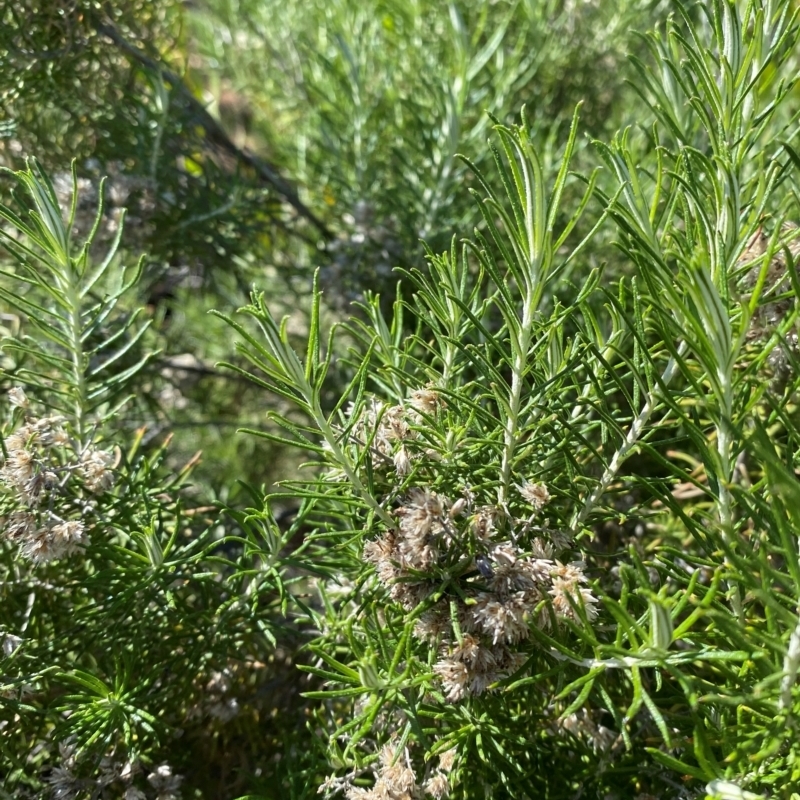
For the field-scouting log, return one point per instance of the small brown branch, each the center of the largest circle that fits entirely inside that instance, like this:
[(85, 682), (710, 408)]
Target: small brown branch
[(214, 131)]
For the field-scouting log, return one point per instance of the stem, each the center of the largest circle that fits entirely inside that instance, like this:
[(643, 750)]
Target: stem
[(344, 463), (725, 504), (791, 664), (76, 351), (627, 446), (514, 400)]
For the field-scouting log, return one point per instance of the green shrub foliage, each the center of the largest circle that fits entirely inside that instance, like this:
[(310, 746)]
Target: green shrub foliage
[(545, 541)]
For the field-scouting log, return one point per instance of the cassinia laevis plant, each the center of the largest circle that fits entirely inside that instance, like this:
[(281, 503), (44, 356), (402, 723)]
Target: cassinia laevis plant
[(117, 630), (565, 516), (546, 541)]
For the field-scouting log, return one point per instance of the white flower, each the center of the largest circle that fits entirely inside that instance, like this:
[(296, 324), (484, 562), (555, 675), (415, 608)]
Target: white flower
[(17, 397), (568, 591), (10, 644), (504, 622), (164, 782), (95, 470), (455, 678), (535, 493), (402, 462), (447, 759)]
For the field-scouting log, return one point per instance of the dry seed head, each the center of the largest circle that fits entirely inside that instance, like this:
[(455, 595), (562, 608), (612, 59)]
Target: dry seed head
[(472, 652), (565, 593), (21, 525), (455, 678), (394, 423), (457, 507), (503, 621), (504, 554), (535, 493), (437, 786), (447, 759), (19, 467), (395, 771), (483, 523), (95, 468), (17, 397), (432, 626), (52, 541), (428, 401), (582, 726)]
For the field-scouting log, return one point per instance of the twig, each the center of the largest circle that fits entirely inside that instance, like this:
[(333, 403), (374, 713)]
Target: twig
[(213, 129)]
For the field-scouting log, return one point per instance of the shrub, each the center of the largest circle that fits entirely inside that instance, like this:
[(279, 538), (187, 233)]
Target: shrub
[(545, 544), (565, 535)]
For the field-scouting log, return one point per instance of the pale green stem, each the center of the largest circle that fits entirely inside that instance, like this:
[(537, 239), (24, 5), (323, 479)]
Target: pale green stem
[(514, 403), (344, 463), (76, 351), (448, 361), (725, 502), (635, 431), (791, 665)]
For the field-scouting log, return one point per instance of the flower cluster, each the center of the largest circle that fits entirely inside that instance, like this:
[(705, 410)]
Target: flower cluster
[(390, 431), (502, 589), (582, 725), (112, 777), (381, 428), (397, 779), (41, 467), (216, 699)]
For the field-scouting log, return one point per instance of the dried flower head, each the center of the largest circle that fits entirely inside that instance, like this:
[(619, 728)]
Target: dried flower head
[(568, 591), (483, 523), (379, 427), (437, 786), (95, 468), (54, 540), (455, 678), (428, 401), (395, 779), (505, 621), (447, 759), (582, 725), (39, 469), (17, 397), (535, 493)]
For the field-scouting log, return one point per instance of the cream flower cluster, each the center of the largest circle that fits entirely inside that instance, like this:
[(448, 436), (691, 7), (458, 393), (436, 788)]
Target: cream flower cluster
[(478, 628), (111, 778), (388, 430), (396, 778), (41, 466), (583, 725)]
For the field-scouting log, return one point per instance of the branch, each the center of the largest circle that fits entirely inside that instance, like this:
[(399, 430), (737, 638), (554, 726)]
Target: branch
[(214, 130)]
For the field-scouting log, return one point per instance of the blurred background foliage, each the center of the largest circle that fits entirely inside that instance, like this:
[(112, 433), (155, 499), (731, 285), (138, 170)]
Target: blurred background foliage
[(254, 141), (367, 105)]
